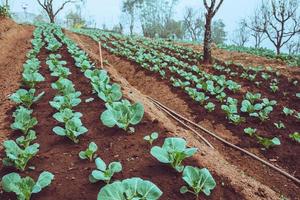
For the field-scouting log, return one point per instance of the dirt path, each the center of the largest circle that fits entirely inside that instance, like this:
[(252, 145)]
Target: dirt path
[(11, 61), (240, 170)]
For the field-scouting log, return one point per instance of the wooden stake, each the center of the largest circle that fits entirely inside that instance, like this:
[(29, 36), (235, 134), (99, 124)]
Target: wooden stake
[(100, 53)]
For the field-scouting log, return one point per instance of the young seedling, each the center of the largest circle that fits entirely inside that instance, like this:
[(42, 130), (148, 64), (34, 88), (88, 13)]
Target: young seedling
[(210, 106), (150, 138), (89, 153), (104, 172), (73, 129), (199, 180), (173, 152), (287, 111), (274, 87), (279, 125), (250, 131), (295, 136), (25, 187), (267, 143)]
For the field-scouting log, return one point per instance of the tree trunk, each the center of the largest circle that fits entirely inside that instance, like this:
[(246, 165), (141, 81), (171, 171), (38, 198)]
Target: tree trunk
[(51, 18), (207, 40), (131, 29), (278, 50)]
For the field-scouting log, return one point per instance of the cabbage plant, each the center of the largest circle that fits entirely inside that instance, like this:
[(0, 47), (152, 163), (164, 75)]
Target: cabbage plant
[(16, 156), (287, 111), (25, 141), (73, 129), (32, 78), (89, 153), (210, 106), (23, 120), (25, 187), (123, 114), (100, 83), (130, 189), (67, 101), (25, 97), (173, 152), (267, 142), (66, 114), (199, 180), (104, 172), (250, 131), (64, 86)]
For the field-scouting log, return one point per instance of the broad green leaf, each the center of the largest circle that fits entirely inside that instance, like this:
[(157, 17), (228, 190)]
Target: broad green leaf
[(43, 181)]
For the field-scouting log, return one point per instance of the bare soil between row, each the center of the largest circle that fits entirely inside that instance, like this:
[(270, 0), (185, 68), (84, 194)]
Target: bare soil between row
[(59, 156), (151, 84)]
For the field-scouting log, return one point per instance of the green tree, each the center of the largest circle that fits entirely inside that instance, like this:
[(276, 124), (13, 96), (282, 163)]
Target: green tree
[(155, 15)]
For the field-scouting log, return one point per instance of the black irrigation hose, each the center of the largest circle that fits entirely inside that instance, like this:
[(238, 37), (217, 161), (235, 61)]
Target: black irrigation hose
[(172, 113)]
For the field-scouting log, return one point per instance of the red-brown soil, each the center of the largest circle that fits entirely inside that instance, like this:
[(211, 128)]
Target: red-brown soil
[(285, 154), (238, 177), (181, 103), (11, 61), (60, 156)]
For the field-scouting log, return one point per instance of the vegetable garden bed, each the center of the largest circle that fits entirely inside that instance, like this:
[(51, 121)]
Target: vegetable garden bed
[(284, 154), (59, 155)]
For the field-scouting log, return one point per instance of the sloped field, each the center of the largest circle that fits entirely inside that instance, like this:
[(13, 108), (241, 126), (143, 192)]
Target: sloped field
[(237, 176)]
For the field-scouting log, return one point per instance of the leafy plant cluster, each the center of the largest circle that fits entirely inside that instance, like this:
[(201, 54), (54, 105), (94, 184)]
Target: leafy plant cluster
[(173, 152), (265, 142), (132, 188), (67, 97), (197, 83), (260, 110), (119, 112), (20, 151)]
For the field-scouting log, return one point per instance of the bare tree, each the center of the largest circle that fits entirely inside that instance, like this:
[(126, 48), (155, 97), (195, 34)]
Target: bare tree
[(253, 24), (293, 47), (47, 5), (211, 11), (280, 21), (241, 35), (193, 24)]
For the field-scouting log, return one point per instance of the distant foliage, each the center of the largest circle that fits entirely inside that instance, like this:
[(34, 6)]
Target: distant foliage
[(4, 11)]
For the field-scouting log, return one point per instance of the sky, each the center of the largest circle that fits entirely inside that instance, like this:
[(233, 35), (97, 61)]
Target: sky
[(109, 11)]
